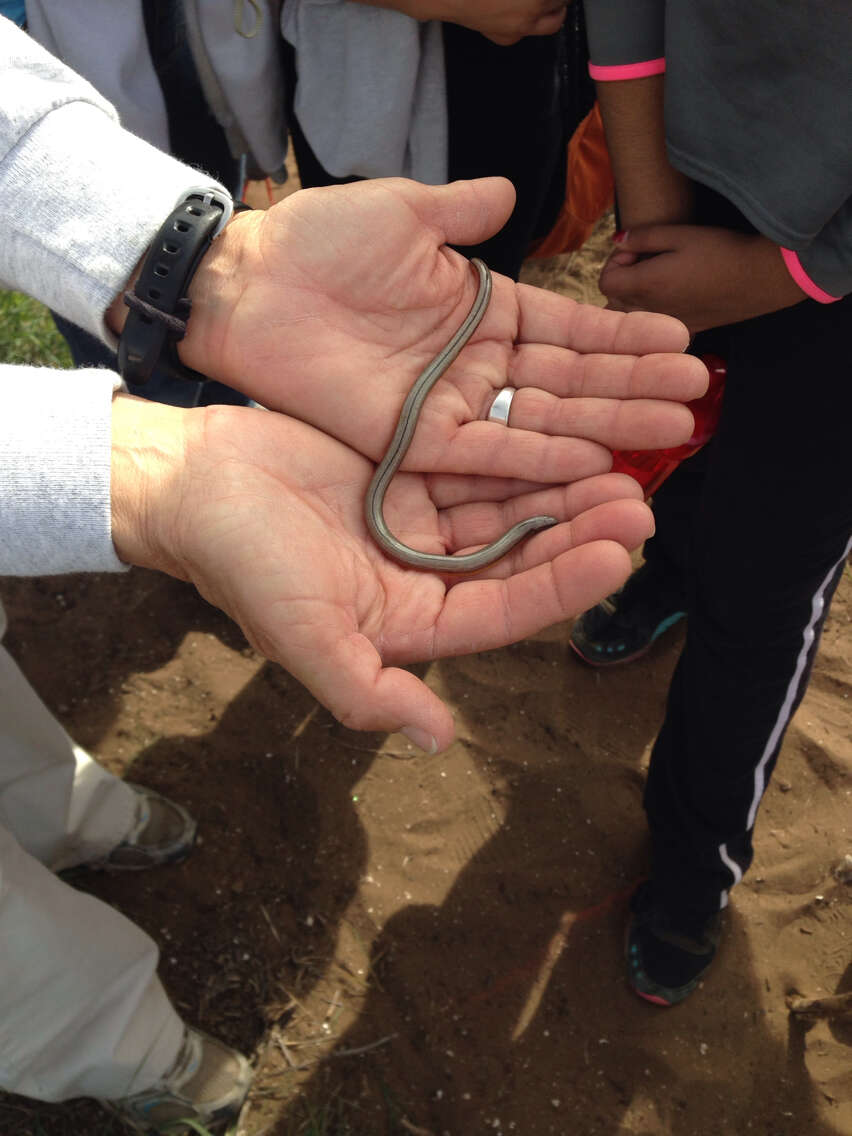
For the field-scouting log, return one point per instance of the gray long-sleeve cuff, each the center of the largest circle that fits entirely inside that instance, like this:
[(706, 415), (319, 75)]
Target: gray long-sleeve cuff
[(55, 445)]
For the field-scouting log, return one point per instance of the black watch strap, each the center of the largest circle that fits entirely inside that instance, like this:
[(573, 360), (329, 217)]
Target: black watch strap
[(159, 306)]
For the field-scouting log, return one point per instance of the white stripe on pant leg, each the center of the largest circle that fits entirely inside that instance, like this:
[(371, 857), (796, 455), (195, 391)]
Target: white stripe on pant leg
[(62, 807), (82, 1012), (735, 870), (808, 635)]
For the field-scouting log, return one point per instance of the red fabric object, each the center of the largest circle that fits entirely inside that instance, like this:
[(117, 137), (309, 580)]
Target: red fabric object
[(589, 189), (652, 467)]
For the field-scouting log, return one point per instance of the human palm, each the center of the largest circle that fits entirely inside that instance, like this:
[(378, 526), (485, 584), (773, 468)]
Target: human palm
[(277, 539), (331, 303)]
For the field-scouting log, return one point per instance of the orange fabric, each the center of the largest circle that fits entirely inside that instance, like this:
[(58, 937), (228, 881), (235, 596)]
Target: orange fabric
[(589, 189)]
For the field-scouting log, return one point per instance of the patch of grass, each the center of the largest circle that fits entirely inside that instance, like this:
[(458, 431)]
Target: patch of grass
[(28, 334)]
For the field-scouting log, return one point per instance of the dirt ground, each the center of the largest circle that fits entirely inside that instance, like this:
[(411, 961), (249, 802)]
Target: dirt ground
[(432, 945)]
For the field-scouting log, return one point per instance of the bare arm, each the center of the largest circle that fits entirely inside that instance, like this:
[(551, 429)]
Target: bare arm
[(649, 190)]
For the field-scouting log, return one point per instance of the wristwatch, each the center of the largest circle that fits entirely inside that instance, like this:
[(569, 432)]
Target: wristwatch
[(159, 305)]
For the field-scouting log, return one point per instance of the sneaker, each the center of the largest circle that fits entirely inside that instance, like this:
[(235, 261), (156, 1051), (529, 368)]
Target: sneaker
[(163, 833), (205, 1089), (623, 626), (665, 960)]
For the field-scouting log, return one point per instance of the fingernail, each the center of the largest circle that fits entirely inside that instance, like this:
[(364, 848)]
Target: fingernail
[(420, 738), (619, 236)]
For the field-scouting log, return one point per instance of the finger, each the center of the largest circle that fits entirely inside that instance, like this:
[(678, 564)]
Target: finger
[(626, 522), (347, 676), (650, 239), (546, 317), (605, 516), (464, 212), (615, 423), (618, 275), (569, 374), (479, 615), (622, 258), (491, 450), (447, 490), (631, 289), (549, 24)]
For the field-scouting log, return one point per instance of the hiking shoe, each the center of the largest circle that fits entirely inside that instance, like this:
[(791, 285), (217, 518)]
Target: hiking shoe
[(163, 833), (666, 960), (623, 626), (206, 1086)]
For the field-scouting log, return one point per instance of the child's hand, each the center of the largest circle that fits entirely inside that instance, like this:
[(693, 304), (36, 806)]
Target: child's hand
[(508, 21), (706, 277), (502, 21)]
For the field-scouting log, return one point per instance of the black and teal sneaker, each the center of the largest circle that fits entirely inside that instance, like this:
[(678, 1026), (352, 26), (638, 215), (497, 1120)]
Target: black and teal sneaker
[(625, 625), (667, 956)]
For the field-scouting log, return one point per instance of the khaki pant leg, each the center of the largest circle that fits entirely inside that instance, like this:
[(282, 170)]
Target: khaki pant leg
[(61, 806), (82, 1012)]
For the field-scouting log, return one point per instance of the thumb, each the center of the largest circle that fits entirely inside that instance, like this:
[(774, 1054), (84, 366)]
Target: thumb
[(623, 258), (645, 240), (348, 677), (467, 212)]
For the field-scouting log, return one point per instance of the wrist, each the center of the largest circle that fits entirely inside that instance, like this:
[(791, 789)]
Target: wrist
[(116, 314), (781, 289), (215, 292), (150, 447), (158, 300)]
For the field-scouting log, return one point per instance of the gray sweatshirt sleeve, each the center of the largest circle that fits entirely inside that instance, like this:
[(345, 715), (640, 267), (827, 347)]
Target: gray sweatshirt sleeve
[(626, 38), (80, 200), (823, 269), (55, 471)]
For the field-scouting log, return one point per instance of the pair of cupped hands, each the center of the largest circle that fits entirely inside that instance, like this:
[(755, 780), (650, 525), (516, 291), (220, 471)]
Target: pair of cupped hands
[(325, 309)]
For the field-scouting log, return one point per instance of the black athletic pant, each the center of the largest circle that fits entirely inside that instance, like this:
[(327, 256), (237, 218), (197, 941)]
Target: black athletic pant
[(758, 526)]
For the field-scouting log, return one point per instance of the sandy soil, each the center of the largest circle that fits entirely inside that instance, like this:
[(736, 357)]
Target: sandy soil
[(432, 945)]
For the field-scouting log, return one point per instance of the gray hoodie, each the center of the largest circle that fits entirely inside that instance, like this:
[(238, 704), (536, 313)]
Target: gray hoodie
[(370, 92), (758, 106), (72, 226)]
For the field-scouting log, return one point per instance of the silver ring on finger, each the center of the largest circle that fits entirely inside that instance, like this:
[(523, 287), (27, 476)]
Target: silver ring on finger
[(501, 406)]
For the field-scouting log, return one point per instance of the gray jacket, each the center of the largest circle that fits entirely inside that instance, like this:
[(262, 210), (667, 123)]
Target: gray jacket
[(758, 106), (370, 93), (239, 66), (72, 227)]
